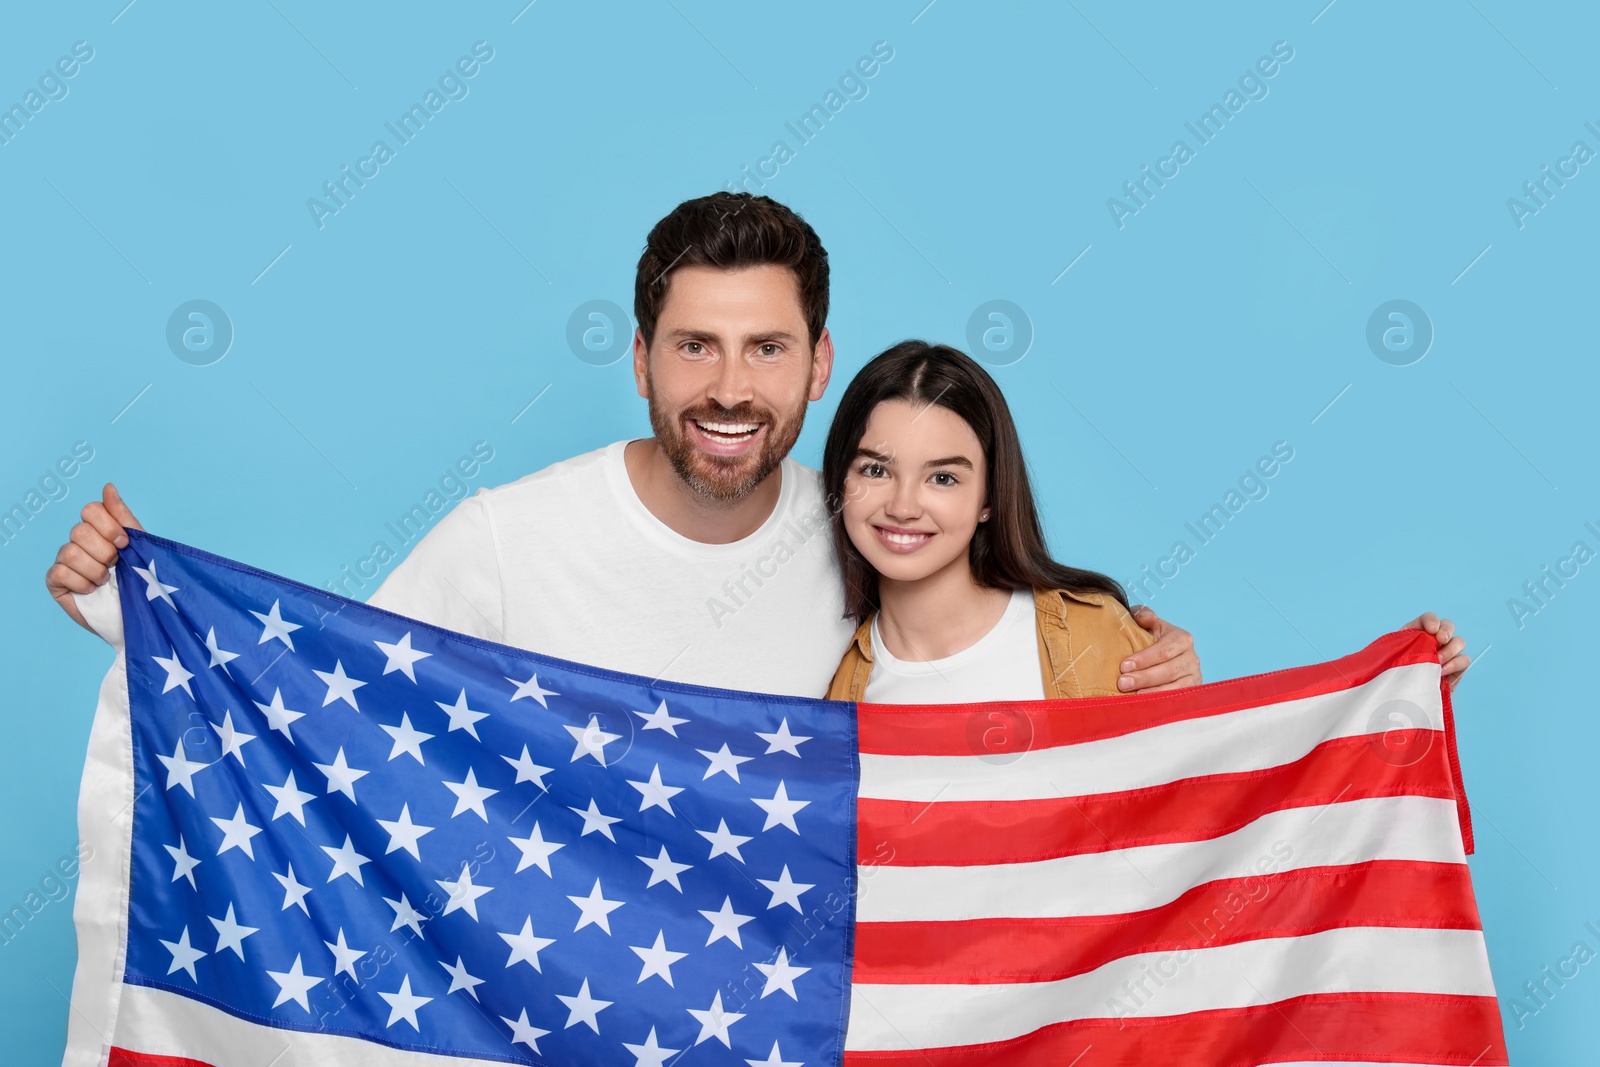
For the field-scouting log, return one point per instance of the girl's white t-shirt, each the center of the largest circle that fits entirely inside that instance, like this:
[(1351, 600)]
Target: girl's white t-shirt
[(1003, 664)]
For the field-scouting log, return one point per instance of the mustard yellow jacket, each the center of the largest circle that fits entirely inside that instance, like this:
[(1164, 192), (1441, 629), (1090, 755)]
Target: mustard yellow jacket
[(1083, 639)]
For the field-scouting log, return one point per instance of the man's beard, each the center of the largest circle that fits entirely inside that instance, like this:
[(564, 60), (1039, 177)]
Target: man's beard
[(724, 479)]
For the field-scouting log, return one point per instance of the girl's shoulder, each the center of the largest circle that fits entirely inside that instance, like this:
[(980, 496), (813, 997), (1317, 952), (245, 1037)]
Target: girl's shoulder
[(1085, 637)]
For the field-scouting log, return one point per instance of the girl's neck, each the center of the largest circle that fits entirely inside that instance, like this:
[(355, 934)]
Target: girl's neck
[(939, 615)]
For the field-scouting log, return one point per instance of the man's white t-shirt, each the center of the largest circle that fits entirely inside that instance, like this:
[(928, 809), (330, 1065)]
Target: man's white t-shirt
[(568, 562), (1003, 664)]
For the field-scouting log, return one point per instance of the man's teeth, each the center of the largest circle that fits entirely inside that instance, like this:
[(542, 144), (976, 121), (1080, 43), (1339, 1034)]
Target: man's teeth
[(740, 430), (905, 539)]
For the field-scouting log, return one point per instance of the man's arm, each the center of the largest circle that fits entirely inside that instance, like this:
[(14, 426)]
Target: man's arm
[(1170, 663)]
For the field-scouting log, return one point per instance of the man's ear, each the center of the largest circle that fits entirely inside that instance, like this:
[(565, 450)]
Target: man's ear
[(641, 364), (821, 364)]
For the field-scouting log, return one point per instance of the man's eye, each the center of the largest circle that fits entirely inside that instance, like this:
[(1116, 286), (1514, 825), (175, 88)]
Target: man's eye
[(694, 348), (770, 349)]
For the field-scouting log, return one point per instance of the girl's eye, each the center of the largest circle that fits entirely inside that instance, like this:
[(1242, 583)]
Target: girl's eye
[(949, 479), (871, 470)]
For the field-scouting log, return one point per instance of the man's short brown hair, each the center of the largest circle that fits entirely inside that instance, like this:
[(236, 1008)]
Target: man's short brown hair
[(729, 231)]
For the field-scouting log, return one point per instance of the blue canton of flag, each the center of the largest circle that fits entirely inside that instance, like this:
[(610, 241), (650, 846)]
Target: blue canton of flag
[(358, 826)]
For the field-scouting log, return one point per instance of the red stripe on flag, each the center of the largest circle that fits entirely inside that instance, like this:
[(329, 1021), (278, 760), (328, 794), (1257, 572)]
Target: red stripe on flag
[(934, 730), (121, 1057), (975, 832), (1388, 893), (1463, 814), (1396, 1027)]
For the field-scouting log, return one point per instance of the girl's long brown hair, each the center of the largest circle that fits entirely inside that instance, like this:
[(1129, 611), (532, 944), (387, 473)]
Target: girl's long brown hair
[(1008, 551)]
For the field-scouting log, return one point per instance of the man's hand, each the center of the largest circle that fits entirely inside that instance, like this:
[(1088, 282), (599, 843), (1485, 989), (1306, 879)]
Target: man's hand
[(85, 561), (1170, 663), (1453, 660)]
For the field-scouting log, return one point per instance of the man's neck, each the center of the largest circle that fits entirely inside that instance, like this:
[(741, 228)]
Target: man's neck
[(689, 513)]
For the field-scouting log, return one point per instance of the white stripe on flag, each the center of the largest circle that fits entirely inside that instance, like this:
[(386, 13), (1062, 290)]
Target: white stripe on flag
[(157, 1022), (1246, 740), (1358, 959), (1132, 879)]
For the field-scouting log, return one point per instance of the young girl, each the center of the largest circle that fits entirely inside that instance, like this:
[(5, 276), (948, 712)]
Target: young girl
[(944, 561)]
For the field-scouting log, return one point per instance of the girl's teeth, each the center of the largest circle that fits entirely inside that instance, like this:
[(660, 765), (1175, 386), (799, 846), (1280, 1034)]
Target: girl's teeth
[(905, 539)]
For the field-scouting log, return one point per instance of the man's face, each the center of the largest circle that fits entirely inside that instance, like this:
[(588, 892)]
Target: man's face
[(729, 374)]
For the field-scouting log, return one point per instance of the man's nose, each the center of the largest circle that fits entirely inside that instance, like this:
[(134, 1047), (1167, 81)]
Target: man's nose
[(732, 385)]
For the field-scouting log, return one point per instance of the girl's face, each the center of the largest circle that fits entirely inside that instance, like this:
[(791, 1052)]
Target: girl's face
[(915, 490)]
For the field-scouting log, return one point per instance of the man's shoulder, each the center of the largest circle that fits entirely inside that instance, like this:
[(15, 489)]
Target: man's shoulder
[(576, 474)]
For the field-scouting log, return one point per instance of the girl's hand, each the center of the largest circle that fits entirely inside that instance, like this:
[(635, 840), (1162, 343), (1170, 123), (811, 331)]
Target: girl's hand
[(1170, 663), (1453, 659)]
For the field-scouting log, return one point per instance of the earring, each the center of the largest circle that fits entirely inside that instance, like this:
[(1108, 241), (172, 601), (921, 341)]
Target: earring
[(983, 516)]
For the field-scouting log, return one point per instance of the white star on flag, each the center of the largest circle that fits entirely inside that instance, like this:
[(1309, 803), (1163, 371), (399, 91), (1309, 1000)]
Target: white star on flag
[(342, 777), (406, 915), (407, 739), (291, 799), (522, 1033), (724, 843), (236, 833), (470, 796), (461, 716), (231, 934), (155, 587), (278, 716), (663, 869), (660, 719), (340, 685), (532, 690), (781, 974), (183, 864), (715, 1021), (403, 833), (595, 908), (591, 741), (183, 954), (594, 821), (180, 768), (219, 657), (233, 741), (294, 894), (463, 894), (346, 860), (650, 1054), (460, 979), (294, 984), (775, 1060), (525, 947), (786, 890), (653, 794), (344, 957), (658, 959), (535, 850), (527, 770), (725, 922), (176, 674), (583, 1008), (723, 761), (783, 740), (403, 1004), (780, 809), (273, 625), (400, 656)]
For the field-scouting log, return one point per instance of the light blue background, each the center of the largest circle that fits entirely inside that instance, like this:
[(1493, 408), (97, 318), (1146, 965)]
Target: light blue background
[(1223, 317)]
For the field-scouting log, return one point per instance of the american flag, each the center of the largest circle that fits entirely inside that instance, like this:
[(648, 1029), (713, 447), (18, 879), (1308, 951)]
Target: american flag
[(335, 835)]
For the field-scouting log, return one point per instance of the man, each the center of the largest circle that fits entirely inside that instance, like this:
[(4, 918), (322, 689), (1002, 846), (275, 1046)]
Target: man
[(700, 554)]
